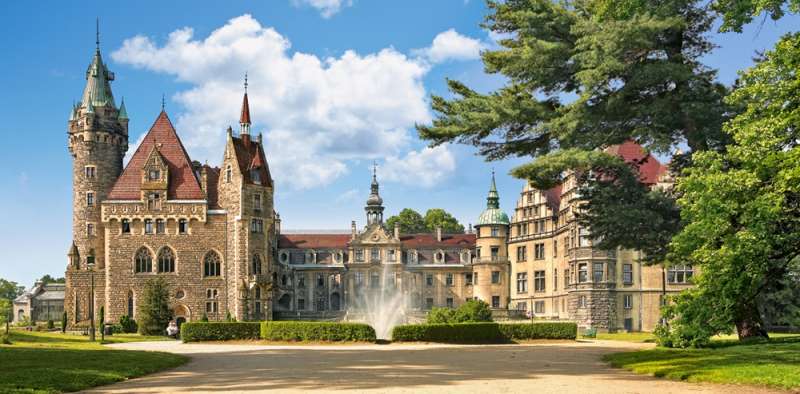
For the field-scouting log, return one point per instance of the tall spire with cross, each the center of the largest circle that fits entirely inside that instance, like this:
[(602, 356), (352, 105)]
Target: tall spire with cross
[(374, 206)]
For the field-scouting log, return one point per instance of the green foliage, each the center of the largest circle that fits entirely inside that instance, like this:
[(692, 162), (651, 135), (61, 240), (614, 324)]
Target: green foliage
[(437, 217), (64, 322), (410, 221), (6, 311), (483, 332), (49, 279), (10, 290), (5, 339), (128, 325), (204, 318), (469, 312), (229, 318), (51, 324), (737, 13), (153, 308), (316, 331), (101, 323), (439, 315), (219, 331), (741, 207)]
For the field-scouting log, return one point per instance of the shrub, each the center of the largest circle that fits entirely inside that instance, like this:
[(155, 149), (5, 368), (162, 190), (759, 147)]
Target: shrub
[(204, 318), (51, 325), (101, 323), (5, 339), (116, 328), (483, 332), (154, 311), (469, 312), (441, 315), (316, 331), (128, 325), (219, 331), (229, 318), (64, 322)]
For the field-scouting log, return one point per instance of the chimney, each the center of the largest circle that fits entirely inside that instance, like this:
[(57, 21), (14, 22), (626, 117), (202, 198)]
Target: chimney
[(469, 228), (353, 229), (397, 230), (438, 233), (277, 224)]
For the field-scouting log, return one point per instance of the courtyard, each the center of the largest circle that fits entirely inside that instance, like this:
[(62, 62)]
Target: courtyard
[(545, 367)]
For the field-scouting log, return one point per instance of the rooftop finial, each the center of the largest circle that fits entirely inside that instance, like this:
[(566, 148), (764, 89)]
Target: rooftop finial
[(97, 33), (245, 82), (374, 170), (163, 101)]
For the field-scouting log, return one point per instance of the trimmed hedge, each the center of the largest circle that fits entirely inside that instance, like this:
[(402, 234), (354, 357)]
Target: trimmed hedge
[(219, 331), (483, 332), (316, 331)]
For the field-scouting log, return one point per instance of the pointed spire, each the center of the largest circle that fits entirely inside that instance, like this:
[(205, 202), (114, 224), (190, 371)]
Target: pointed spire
[(98, 78), (244, 119), (123, 113), (493, 199), (97, 34), (163, 102), (374, 206)]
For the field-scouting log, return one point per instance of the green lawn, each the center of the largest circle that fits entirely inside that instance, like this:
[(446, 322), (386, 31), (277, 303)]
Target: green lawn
[(39, 362), (627, 336), (774, 364)]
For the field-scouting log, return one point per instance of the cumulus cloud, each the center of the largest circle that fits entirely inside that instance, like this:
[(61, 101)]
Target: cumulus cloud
[(320, 113), (426, 167), (450, 45), (326, 8)]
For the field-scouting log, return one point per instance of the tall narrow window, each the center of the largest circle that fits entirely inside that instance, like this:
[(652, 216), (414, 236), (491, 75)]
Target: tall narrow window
[(538, 281), (89, 199), (583, 273), (160, 228), (228, 174), (212, 265), (90, 172), (166, 260), (555, 279), (130, 304), (597, 272), (183, 226), (522, 282), (89, 229), (495, 277), (257, 202), (126, 226), (448, 279), (148, 226), (143, 261), (538, 251), (255, 268), (429, 280), (627, 274)]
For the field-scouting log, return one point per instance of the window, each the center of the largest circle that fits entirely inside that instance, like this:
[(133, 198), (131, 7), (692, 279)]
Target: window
[(428, 303), (143, 261), (583, 237), (597, 272), (478, 253), (582, 301), (522, 306), (583, 273), (538, 307), (680, 274), (495, 301), (320, 280), (538, 281), (475, 278), (555, 248), (538, 251), (228, 174), (89, 229), (627, 301), (255, 176), (256, 226), (495, 253), (301, 304), (155, 175), (90, 258), (255, 266), (89, 199), (429, 280), (90, 172), (212, 265), (257, 202), (375, 254), (448, 279), (449, 302), (126, 226), (521, 253), (166, 260), (522, 282), (627, 274), (131, 310), (566, 278), (539, 226), (301, 281), (212, 305), (495, 231), (468, 278), (359, 254), (359, 279), (183, 226), (495, 277), (160, 228), (390, 255), (555, 279), (153, 201), (148, 226), (321, 304), (374, 280)]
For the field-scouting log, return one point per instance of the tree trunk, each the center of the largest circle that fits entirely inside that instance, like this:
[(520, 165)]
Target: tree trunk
[(749, 323)]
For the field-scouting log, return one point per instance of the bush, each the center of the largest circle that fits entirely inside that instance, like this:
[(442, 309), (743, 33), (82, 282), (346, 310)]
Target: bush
[(204, 318), (471, 311), (5, 340), (51, 325), (441, 316), (64, 322), (219, 331), (154, 311), (128, 325), (483, 332), (116, 328), (316, 331)]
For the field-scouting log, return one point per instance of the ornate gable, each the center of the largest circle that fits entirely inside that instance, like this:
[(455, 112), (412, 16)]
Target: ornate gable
[(375, 234)]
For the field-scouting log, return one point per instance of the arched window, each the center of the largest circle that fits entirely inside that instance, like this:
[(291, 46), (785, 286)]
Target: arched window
[(258, 293), (143, 261), (228, 174), (212, 265), (130, 304), (255, 267), (166, 260)]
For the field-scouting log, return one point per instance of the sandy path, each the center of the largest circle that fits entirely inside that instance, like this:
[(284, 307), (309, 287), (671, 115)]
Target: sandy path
[(574, 367)]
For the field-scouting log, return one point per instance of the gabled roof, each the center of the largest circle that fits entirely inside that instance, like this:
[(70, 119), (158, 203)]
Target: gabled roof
[(245, 117), (212, 174), (183, 185), (649, 167), (430, 241), (314, 241), (250, 155)]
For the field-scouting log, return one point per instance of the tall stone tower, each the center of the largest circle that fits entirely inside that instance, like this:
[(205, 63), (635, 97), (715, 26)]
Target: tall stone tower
[(491, 264), (97, 140)]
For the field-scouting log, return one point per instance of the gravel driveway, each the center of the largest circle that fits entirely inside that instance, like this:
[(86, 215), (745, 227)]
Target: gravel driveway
[(571, 367)]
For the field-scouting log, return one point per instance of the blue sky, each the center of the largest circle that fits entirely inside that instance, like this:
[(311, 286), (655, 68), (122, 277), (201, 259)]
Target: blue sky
[(332, 89)]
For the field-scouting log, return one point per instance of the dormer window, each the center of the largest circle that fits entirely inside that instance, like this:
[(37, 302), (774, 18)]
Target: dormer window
[(255, 176), (154, 175), (153, 201)]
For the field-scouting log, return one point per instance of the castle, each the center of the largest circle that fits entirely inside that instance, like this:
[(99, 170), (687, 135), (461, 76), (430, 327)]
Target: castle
[(213, 234)]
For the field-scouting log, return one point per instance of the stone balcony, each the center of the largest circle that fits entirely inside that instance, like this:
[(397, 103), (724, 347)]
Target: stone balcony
[(587, 253)]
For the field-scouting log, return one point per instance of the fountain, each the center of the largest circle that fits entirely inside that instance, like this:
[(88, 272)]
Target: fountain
[(382, 308)]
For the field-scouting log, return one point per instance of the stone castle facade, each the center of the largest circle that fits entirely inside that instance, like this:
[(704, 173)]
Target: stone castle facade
[(213, 234)]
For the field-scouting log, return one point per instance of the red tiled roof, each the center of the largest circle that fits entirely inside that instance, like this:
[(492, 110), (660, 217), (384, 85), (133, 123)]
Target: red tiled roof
[(251, 155), (553, 196), (313, 241), (429, 240), (213, 181), (183, 185), (649, 167), (245, 117)]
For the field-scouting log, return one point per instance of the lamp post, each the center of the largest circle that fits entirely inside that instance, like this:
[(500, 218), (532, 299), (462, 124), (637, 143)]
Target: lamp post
[(90, 265)]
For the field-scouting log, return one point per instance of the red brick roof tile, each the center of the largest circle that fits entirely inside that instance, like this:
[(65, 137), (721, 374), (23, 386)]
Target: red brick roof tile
[(430, 241), (314, 241), (245, 117), (251, 155), (183, 185), (649, 167)]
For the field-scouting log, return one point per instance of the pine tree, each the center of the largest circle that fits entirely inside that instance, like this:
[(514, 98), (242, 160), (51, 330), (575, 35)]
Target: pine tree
[(154, 312)]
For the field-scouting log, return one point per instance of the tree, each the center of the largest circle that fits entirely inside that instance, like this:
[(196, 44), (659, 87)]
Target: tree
[(410, 221), (154, 312), (5, 312), (742, 207), (64, 323), (101, 322), (737, 13), (437, 217), (49, 279), (473, 311), (10, 290)]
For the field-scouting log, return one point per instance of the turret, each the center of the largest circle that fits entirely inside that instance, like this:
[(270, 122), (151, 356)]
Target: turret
[(374, 207), (491, 253)]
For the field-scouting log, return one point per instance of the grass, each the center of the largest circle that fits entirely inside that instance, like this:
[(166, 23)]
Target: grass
[(627, 336), (775, 363), (43, 362)]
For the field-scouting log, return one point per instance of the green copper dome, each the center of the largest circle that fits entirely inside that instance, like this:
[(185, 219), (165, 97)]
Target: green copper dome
[(492, 214)]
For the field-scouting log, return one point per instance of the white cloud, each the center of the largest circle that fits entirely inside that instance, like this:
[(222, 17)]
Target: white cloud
[(348, 196), (320, 114), (425, 168), (326, 8), (450, 45)]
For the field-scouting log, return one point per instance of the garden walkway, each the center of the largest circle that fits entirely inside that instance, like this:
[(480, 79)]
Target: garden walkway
[(549, 367)]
